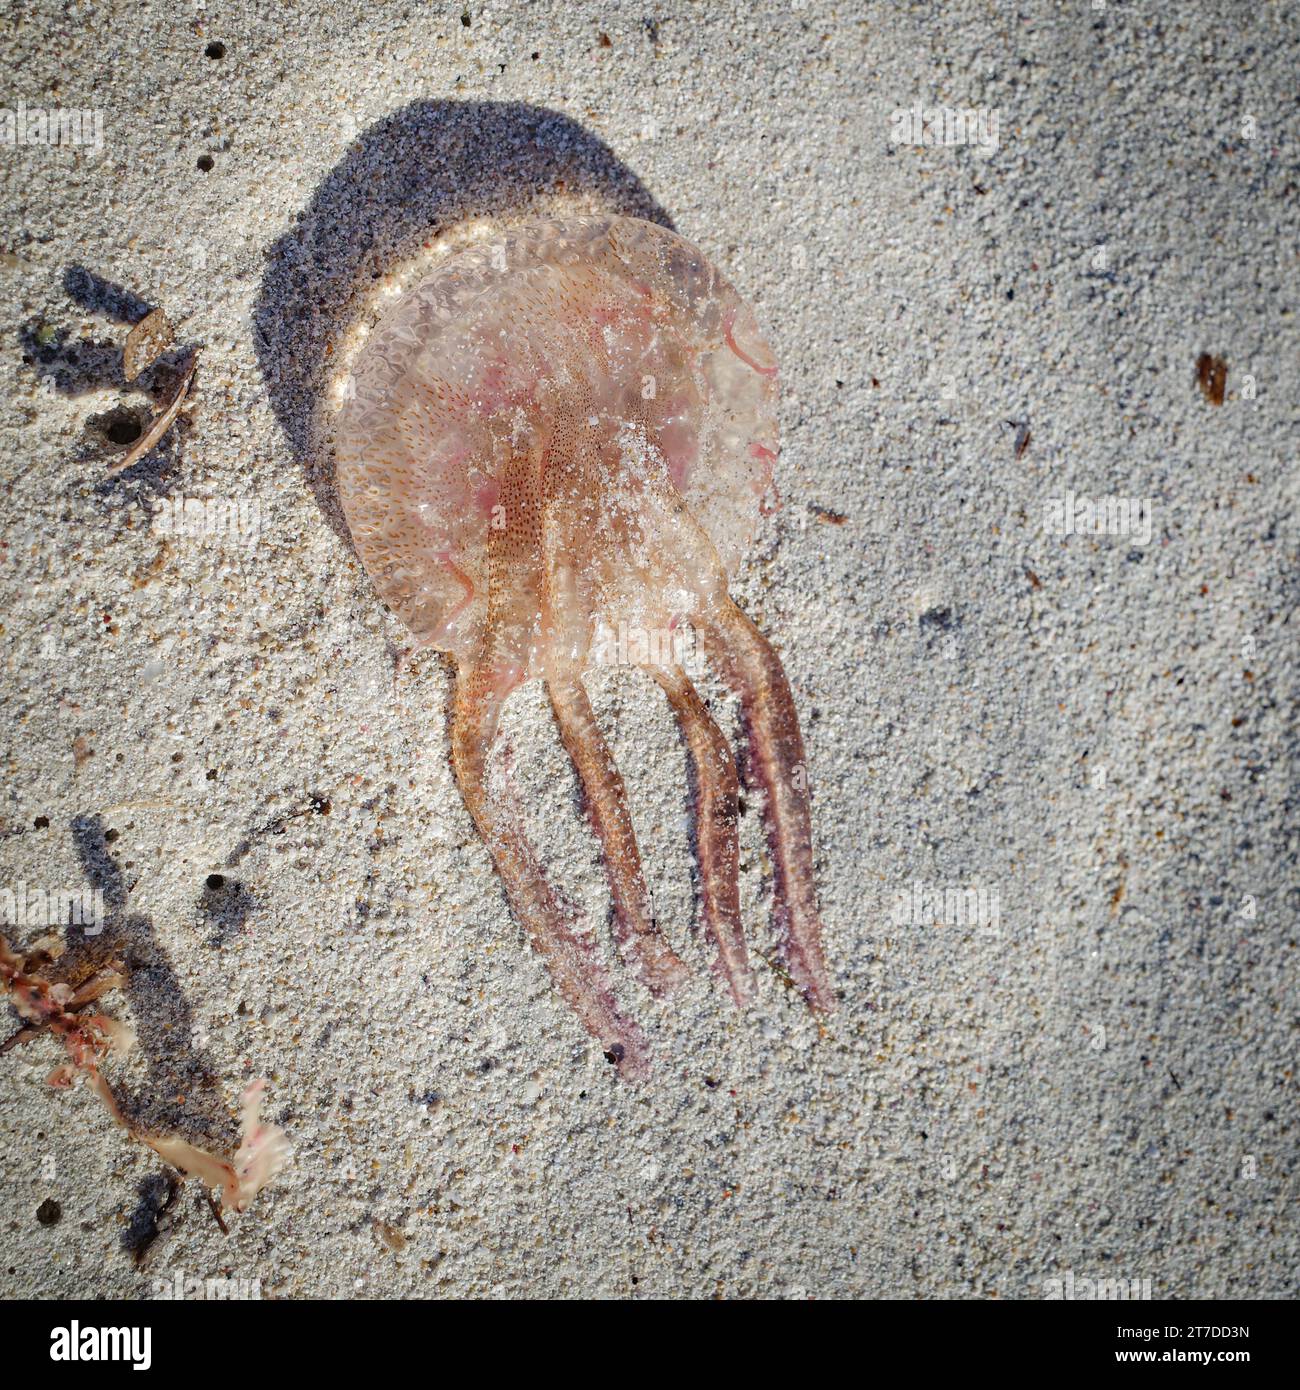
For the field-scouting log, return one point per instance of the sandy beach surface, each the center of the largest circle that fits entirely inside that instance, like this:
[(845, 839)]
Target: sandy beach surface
[(1034, 585)]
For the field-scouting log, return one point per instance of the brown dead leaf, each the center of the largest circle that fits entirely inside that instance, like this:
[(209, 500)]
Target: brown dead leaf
[(145, 343), (1212, 377)]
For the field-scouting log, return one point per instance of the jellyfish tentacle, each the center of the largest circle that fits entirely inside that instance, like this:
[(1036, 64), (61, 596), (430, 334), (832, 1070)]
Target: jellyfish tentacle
[(717, 797), (748, 664), (577, 973), (635, 929)]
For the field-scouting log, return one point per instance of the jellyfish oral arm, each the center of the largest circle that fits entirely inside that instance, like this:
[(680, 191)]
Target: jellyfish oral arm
[(716, 802), (577, 973), (606, 799), (748, 664)]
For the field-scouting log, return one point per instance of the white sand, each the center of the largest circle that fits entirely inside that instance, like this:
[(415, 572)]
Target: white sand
[(1105, 1086)]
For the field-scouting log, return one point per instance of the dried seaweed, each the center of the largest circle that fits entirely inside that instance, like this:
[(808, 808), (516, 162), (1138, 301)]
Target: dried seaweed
[(89, 1038), (145, 343)]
